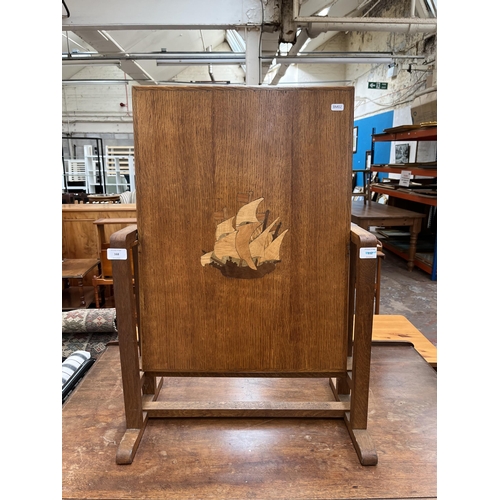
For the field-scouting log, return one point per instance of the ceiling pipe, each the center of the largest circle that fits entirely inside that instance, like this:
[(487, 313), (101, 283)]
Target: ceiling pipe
[(340, 24), (145, 55), (154, 56), (225, 57), (320, 24), (333, 60)]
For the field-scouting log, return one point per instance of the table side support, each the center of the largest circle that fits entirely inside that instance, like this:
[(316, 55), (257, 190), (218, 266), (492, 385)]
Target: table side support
[(136, 419), (364, 278)]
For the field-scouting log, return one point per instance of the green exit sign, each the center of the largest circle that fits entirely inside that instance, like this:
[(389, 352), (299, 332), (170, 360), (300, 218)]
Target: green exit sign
[(377, 85)]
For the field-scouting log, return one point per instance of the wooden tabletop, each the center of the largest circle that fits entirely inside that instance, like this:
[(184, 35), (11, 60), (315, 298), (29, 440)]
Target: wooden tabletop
[(396, 328), (98, 207), (77, 268), (272, 459), (116, 220), (371, 210)]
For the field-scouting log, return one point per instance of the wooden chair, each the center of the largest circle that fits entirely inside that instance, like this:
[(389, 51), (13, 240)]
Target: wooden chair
[(246, 262), (104, 279)]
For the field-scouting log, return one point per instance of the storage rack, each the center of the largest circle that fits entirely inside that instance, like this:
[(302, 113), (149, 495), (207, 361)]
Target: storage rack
[(422, 169)]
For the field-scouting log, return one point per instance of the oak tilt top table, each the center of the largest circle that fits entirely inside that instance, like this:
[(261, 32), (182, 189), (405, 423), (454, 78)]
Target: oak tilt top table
[(231, 459)]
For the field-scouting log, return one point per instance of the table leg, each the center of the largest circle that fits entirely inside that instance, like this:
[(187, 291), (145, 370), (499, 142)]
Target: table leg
[(82, 292), (97, 292), (414, 230)]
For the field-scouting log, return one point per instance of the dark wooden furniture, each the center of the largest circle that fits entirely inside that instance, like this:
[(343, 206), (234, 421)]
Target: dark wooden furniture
[(371, 214), (105, 278), (104, 198), (68, 198), (79, 296), (365, 188), (246, 261), (279, 459)]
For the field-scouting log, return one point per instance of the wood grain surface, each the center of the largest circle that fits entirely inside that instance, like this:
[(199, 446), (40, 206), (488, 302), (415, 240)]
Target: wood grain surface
[(396, 328), (272, 459), (79, 233), (198, 153)]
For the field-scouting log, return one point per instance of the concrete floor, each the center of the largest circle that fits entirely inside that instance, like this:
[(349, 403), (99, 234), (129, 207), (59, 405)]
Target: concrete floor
[(411, 294)]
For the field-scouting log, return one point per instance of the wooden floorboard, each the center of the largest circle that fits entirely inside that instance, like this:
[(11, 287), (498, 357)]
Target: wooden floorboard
[(262, 458)]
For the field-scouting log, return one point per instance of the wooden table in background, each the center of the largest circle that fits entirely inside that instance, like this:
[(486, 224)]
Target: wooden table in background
[(272, 459), (370, 214), (80, 296), (79, 234)]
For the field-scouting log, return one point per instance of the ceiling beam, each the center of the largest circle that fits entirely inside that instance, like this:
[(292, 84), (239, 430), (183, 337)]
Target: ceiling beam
[(301, 40), (394, 25), (168, 15), (104, 43), (252, 57), (311, 7), (340, 8)]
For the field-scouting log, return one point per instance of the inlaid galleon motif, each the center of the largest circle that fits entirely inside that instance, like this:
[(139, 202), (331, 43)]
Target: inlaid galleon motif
[(246, 247)]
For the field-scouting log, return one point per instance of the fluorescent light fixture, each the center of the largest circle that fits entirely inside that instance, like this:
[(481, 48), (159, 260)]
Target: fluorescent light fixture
[(198, 82), (313, 82), (198, 62), (92, 62), (95, 82), (200, 59)]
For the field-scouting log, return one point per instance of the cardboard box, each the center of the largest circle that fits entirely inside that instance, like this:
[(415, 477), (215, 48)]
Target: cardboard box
[(424, 108)]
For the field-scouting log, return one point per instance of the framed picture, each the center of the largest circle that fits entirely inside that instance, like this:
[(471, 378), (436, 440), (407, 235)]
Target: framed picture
[(402, 153), (368, 160), (354, 139)]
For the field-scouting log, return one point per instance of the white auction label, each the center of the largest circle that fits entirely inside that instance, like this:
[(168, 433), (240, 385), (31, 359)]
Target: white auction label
[(337, 107), (368, 253), (405, 178), (117, 253)]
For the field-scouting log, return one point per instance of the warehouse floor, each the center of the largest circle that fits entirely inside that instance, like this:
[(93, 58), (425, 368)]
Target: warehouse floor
[(411, 294)]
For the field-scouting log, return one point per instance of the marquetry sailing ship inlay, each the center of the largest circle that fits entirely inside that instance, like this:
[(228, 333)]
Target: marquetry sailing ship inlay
[(246, 247)]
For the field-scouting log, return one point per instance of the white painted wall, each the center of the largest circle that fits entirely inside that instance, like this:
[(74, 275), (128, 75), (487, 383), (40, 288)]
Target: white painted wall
[(402, 87), (95, 108)]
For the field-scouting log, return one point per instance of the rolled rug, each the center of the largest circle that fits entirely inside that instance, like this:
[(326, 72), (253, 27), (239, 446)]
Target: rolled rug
[(74, 368), (72, 363), (89, 321)]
